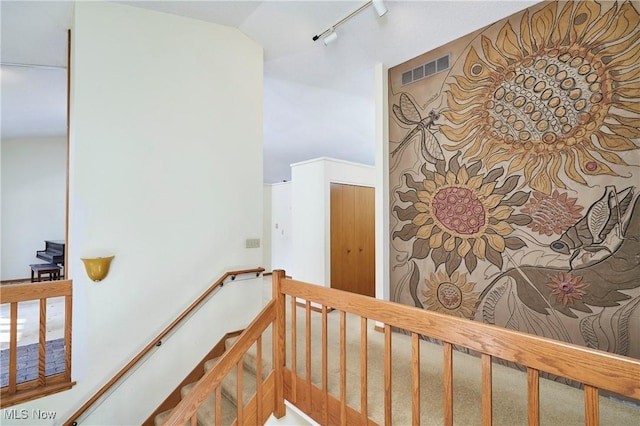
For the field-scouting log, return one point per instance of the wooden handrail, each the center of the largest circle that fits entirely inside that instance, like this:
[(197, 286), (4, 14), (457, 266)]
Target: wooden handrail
[(15, 393), (219, 282)]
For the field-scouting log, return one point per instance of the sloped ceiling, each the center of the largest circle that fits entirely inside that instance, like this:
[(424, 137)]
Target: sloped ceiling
[(318, 100)]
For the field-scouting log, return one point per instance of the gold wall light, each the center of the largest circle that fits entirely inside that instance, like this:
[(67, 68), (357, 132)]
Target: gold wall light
[(97, 267)]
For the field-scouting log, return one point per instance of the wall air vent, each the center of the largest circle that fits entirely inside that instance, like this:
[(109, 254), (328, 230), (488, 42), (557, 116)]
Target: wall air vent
[(426, 70)]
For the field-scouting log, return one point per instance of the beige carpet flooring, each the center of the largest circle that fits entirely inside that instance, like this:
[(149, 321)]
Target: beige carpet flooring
[(560, 404)]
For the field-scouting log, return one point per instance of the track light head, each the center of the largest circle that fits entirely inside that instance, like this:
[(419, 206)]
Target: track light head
[(381, 9), (329, 38)]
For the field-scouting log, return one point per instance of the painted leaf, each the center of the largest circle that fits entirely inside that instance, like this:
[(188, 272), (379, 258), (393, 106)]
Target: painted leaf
[(491, 301), (587, 329), (620, 320)]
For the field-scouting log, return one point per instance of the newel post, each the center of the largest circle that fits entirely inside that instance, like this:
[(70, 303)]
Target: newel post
[(279, 357)]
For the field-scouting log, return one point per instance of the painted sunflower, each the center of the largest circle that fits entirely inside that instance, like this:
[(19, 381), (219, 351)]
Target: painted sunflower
[(450, 295), (458, 214), (562, 92)]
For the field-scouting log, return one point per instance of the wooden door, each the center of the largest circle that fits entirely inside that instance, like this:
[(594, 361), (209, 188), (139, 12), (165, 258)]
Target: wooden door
[(353, 238)]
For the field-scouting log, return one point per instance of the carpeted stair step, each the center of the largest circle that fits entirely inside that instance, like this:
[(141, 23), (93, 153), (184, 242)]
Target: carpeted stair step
[(251, 357), (206, 412), (230, 385)]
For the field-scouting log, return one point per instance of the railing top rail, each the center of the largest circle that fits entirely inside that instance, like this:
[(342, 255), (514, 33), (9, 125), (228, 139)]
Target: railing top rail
[(604, 370), (35, 291), (158, 338)]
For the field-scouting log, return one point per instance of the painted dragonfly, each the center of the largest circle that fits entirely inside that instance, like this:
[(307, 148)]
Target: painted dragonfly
[(408, 113)]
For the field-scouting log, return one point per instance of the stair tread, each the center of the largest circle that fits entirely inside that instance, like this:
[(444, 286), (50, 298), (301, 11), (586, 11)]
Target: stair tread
[(251, 357), (207, 411)]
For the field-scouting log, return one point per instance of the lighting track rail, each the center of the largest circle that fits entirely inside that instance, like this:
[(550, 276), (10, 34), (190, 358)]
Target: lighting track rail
[(330, 35)]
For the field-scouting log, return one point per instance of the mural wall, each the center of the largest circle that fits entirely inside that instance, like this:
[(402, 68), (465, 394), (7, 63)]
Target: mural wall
[(514, 175)]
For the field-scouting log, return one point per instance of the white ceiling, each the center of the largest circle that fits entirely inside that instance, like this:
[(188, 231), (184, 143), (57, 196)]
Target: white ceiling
[(318, 100)]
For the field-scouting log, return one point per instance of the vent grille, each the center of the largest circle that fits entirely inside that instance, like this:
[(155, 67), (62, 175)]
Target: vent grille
[(426, 70)]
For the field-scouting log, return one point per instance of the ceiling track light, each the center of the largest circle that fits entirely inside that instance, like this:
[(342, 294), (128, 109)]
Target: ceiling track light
[(329, 35)]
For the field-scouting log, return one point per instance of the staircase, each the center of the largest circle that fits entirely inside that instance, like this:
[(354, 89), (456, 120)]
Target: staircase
[(341, 371), (229, 394)]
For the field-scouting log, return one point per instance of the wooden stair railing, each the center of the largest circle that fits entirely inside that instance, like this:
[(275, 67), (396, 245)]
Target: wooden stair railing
[(593, 368), (15, 393), (158, 339), (268, 397)]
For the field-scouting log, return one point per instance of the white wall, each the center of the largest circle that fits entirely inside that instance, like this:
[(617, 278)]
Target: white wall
[(33, 200), (311, 213), (166, 173), (281, 226)]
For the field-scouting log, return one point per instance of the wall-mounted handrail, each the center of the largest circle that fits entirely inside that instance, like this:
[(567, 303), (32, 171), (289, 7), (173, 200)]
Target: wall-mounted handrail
[(158, 339)]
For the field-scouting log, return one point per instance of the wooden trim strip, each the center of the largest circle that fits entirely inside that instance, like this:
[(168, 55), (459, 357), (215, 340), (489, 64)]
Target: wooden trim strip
[(279, 343), (308, 346), (42, 342), (13, 348), (259, 380), (68, 311), (15, 280), (219, 406), (448, 383), (487, 391), (533, 399), (415, 379), (325, 380), (607, 371), (387, 375), (343, 368), (294, 341), (364, 391), (591, 406), (240, 393)]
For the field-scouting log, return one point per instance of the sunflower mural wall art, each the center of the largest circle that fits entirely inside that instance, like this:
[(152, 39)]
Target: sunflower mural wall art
[(515, 174)]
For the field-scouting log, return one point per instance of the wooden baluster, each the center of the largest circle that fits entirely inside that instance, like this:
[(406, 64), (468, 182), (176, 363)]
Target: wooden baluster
[(343, 368), (294, 350), (533, 390), (591, 406), (325, 386), (487, 397), (240, 419), (219, 406), (13, 348), (415, 378), (42, 342), (387, 375), (279, 349), (194, 419), (363, 371), (259, 380), (308, 350), (448, 384), (68, 308)]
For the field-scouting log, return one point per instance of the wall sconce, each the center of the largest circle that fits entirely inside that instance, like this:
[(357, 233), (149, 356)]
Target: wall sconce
[(97, 267)]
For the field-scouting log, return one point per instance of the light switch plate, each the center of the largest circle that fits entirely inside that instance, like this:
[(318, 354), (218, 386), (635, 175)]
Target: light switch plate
[(253, 243)]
